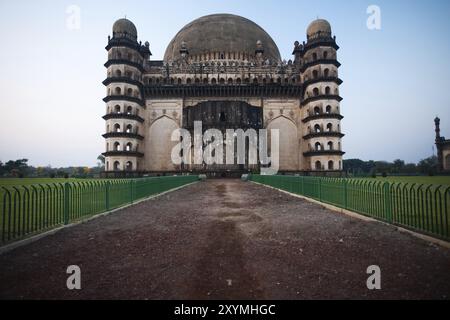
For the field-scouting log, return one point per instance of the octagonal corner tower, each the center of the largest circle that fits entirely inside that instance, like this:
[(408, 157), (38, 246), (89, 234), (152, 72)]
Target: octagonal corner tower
[(227, 72)]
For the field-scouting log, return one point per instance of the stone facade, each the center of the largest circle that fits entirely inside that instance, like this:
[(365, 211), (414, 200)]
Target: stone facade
[(232, 75)]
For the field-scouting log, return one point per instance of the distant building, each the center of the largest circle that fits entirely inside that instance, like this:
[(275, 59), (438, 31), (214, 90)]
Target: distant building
[(227, 72), (443, 148)]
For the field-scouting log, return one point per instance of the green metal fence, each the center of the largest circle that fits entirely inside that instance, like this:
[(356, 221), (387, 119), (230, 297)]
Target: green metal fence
[(27, 210), (420, 207)]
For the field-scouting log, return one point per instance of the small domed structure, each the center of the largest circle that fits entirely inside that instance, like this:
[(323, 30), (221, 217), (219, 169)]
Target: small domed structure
[(321, 26), (124, 27)]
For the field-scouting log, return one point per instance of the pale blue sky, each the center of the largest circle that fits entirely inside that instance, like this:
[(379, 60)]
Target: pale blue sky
[(396, 80)]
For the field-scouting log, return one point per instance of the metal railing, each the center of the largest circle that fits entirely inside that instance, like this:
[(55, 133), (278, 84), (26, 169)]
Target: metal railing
[(31, 209), (420, 207)]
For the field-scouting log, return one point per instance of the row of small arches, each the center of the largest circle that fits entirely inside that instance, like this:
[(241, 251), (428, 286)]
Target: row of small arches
[(326, 91), (117, 146), (330, 166), (117, 128), (319, 110), (238, 81), (128, 92), (330, 146), (117, 166), (117, 109), (320, 128)]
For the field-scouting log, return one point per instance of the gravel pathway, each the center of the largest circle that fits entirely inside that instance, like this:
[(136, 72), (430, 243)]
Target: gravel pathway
[(227, 239)]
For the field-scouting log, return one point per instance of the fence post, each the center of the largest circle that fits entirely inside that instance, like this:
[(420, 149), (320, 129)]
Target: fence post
[(345, 195), (107, 195), (387, 202), (320, 189), (131, 191), (66, 203)]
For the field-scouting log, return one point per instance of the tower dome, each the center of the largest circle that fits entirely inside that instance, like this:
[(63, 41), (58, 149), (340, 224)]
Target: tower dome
[(124, 27), (224, 34), (321, 26)]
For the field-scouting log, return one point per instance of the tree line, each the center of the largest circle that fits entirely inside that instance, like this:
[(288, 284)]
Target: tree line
[(21, 169), (357, 167), (353, 167)]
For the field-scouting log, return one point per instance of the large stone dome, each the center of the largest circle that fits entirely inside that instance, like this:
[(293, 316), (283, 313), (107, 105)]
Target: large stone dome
[(221, 33)]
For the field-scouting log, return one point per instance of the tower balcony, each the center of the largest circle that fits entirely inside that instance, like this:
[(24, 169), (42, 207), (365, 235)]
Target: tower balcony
[(322, 79), (333, 134), (129, 135), (313, 153), (127, 116), (321, 97), (313, 116), (124, 98), (123, 153), (122, 79), (136, 65), (319, 62)]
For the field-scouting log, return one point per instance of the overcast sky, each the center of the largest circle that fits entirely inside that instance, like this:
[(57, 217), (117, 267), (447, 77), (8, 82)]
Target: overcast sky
[(396, 80)]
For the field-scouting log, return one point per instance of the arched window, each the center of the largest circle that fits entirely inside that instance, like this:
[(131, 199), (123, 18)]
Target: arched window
[(118, 73), (247, 80), (329, 127), (117, 166), (117, 127), (197, 80), (318, 146), (223, 117), (318, 165), (129, 110), (315, 74), (314, 56), (238, 81), (205, 81), (129, 128), (118, 91), (317, 111), (129, 92), (213, 81), (222, 81), (327, 90), (230, 81), (116, 146), (317, 128), (330, 165), (316, 92), (188, 80), (117, 109), (325, 54), (330, 145), (326, 73), (129, 146), (129, 166), (107, 166), (255, 80), (179, 81), (328, 109)]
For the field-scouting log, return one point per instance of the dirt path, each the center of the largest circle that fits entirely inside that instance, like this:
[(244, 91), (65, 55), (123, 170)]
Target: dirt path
[(226, 239)]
